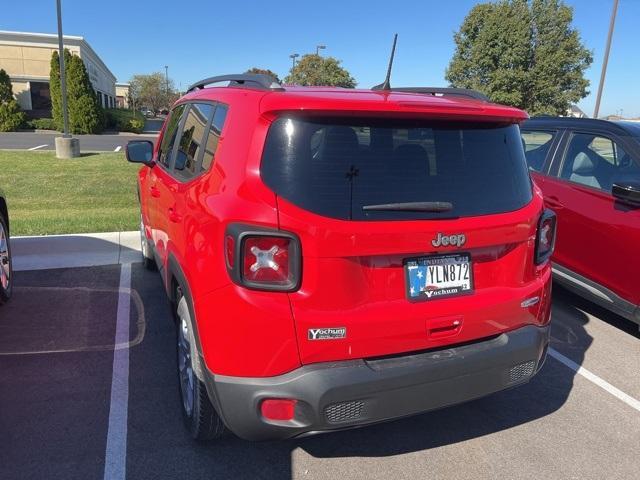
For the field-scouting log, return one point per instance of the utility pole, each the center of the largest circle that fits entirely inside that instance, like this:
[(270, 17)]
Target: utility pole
[(166, 78), (66, 146), (293, 57), (320, 47), (612, 23), (63, 80)]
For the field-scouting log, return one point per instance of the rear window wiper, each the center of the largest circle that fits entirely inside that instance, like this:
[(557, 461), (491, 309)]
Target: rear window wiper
[(410, 207)]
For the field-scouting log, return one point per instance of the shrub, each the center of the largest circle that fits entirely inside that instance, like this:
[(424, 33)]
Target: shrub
[(136, 125), (41, 124), (124, 120), (11, 116)]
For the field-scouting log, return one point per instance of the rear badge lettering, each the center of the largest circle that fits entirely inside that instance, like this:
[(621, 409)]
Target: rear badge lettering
[(456, 240), (331, 333)]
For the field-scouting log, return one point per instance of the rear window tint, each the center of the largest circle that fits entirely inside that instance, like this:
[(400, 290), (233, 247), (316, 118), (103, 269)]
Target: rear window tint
[(334, 168)]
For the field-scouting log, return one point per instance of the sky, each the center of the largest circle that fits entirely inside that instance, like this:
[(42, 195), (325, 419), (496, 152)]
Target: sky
[(206, 38)]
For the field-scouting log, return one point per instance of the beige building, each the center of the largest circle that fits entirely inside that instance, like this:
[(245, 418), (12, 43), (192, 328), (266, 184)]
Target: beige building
[(122, 95), (26, 57)]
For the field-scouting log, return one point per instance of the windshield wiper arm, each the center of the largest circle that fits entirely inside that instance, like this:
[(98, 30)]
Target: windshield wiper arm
[(410, 207)]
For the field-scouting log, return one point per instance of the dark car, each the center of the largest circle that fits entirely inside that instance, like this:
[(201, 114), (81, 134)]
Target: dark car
[(5, 251), (589, 173)]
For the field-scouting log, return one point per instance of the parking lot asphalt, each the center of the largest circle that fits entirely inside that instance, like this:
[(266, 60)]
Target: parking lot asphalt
[(57, 405), (88, 143)]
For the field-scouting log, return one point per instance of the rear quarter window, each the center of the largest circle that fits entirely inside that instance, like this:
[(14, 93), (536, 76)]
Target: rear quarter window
[(169, 136), (334, 167), (537, 144)]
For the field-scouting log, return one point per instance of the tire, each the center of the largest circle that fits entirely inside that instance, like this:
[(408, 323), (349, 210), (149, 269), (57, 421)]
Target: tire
[(200, 417), (6, 266), (147, 256)]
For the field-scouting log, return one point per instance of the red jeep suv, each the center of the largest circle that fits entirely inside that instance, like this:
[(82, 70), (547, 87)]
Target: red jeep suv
[(343, 257)]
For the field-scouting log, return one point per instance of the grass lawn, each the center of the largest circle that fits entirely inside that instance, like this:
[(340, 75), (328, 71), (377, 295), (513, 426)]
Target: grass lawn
[(93, 193)]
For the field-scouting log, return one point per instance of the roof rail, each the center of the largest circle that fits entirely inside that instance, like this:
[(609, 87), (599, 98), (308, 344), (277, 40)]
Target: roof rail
[(250, 80), (445, 92)]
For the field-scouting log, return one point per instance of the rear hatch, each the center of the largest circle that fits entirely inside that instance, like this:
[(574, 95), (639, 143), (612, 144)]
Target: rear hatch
[(415, 234)]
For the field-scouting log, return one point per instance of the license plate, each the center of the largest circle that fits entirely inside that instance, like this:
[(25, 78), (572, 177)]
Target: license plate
[(438, 276)]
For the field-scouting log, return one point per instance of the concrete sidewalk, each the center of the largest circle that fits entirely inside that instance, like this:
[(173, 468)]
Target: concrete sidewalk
[(75, 250)]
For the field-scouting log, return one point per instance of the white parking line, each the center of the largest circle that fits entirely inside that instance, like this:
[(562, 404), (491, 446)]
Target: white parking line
[(117, 149), (592, 377), (39, 146), (115, 462)]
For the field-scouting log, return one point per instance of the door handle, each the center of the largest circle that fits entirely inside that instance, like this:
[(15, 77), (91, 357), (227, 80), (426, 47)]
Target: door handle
[(155, 193), (174, 216)]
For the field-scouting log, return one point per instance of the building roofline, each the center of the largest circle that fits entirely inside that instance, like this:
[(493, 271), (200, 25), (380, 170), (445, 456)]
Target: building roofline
[(35, 37), (37, 34)]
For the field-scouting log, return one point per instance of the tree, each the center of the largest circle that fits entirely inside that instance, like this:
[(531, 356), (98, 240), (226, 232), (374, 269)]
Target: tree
[(11, 116), (314, 70), (85, 112), (152, 91), (264, 72), (55, 88), (522, 53)]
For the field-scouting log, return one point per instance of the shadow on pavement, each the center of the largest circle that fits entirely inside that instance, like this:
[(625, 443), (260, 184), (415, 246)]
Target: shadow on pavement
[(595, 310)]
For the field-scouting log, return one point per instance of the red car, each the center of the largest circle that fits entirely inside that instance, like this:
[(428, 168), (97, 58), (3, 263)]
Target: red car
[(589, 173), (343, 257)]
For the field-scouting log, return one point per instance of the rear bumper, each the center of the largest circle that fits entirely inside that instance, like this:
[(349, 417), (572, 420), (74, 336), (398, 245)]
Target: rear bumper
[(338, 395)]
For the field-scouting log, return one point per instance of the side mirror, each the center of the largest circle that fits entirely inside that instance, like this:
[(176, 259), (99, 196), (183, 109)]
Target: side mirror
[(627, 191), (140, 151)]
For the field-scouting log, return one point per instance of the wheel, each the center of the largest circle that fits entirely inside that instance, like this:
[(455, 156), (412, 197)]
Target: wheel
[(6, 270), (200, 417), (147, 257)]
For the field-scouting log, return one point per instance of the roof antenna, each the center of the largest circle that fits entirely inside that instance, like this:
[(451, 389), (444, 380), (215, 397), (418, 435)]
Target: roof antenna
[(387, 85)]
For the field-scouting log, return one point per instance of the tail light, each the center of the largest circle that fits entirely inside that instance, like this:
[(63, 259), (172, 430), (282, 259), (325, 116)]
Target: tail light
[(546, 237), (263, 259)]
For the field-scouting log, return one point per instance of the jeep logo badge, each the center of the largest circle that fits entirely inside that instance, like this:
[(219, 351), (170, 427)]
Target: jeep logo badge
[(456, 240), (331, 333)]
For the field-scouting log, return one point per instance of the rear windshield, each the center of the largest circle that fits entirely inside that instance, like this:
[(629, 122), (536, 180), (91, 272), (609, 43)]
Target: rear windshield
[(336, 168)]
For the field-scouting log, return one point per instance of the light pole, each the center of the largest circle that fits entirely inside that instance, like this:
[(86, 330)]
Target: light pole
[(63, 79), (612, 23), (293, 57), (66, 146), (320, 47), (166, 79)]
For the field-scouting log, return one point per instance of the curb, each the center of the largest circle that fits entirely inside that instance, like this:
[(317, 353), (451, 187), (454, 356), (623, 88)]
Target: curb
[(74, 250)]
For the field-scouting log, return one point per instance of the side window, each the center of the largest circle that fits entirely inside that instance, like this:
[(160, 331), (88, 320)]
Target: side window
[(169, 137), (213, 136), (536, 147), (597, 161), (190, 145)]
